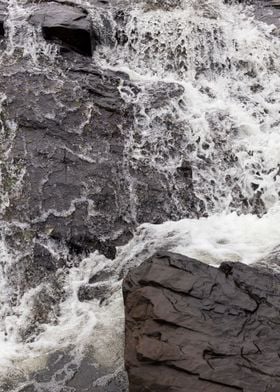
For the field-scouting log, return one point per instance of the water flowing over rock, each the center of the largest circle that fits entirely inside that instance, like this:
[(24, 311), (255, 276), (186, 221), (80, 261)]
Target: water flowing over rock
[(125, 128), (193, 327), (3, 10), (68, 25)]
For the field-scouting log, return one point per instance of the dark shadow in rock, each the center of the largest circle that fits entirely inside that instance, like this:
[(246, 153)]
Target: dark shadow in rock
[(99, 292), (85, 245), (3, 10), (66, 25)]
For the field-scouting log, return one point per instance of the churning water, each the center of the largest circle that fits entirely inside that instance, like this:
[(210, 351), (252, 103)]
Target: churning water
[(225, 122)]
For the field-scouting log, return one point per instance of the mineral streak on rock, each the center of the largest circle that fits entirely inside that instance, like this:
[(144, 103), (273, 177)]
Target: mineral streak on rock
[(193, 327)]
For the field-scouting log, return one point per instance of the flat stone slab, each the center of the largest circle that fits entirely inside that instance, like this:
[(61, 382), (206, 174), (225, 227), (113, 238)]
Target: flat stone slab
[(193, 327)]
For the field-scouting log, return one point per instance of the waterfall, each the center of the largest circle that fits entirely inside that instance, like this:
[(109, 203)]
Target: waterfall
[(226, 121), (203, 84)]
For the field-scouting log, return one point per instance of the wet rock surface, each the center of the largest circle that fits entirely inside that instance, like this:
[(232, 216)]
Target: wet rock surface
[(70, 185), (73, 174), (78, 175), (190, 326), (67, 25), (69, 182), (3, 11), (269, 12), (63, 371)]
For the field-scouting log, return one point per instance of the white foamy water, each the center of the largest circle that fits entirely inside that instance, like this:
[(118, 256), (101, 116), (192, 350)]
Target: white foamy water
[(227, 118), (89, 326), (225, 121)]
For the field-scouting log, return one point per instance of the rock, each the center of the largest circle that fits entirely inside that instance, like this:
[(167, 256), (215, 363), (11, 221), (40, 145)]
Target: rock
[(160, 93), (101, 276), (80, 187), (70, 181), (43, 309), (165, 5), (275, 3), (67, 25), (3, 10), (271, 260), (89, 292), (76, 375), (43, 258), (268, 12), (83, 245), (193, 327)]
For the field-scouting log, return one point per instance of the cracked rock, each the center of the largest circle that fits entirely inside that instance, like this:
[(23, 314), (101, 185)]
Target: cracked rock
[(193, 327)]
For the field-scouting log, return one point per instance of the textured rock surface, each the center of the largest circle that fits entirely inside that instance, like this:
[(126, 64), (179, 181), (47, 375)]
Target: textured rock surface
[(193, 327), (78, 172), (70, 184), (2, 19), (70, 148), (66, 25), (81, 375), (268, 12)]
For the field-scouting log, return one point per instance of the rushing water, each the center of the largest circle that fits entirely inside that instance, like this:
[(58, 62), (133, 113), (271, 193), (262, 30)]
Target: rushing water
[(225, 122)]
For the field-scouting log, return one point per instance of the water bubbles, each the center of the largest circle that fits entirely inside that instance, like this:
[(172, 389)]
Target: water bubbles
[(225, 66), (204, 87)]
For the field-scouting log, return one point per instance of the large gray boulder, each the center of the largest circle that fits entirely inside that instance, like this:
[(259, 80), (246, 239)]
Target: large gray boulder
[(193, 327)]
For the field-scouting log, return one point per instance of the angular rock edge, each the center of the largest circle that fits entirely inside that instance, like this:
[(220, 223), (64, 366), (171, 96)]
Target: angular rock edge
[(3, 11), (68, 26), (192, 327)]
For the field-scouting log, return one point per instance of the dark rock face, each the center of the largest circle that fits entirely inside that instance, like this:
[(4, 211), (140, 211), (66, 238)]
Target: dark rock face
[(2, 19), (69, 26), (193, 327), (72, 175), (268, 12), (44, 259), (82, 375), (70, 144), (70, 182), (89, 292)]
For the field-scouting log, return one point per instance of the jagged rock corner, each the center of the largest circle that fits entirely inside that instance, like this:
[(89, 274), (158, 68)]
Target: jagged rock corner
[(194, 327), (66, 25)]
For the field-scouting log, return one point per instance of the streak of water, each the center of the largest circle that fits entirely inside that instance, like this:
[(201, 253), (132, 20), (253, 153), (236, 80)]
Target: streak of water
[(226, 123)]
